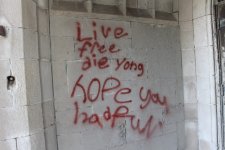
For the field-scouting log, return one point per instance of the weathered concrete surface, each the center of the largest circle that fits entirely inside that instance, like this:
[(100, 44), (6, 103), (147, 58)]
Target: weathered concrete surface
[(156, 48)]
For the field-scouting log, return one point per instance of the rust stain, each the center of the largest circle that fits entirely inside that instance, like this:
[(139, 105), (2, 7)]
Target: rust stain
[(2, 31)]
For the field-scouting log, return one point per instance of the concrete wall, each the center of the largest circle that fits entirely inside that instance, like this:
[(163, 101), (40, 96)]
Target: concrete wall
[(199, 74), (21, 125), (98, 103), (27, 108), (159, 5)]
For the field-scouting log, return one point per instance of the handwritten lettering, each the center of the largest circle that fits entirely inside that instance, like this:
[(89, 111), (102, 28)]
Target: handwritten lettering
[(117, 32), (130, 65), (94, 53), (90, 47), (122, 111)]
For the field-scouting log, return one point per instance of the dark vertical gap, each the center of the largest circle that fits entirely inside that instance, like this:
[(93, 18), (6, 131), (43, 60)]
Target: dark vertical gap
[(213, 9), (16, 144), (220, 32), (220, 77)]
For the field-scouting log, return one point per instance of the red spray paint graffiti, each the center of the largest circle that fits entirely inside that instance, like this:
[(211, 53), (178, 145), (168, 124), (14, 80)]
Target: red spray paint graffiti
[(91, 47), (93, 51), (121, 111)]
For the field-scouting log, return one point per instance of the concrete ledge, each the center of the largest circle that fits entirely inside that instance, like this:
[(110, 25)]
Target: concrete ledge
[(78, 10)]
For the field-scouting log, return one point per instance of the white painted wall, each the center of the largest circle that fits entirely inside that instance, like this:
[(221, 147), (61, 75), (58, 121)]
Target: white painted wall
[(27, 110), (199, 59), (155, 46), (20, 107)]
